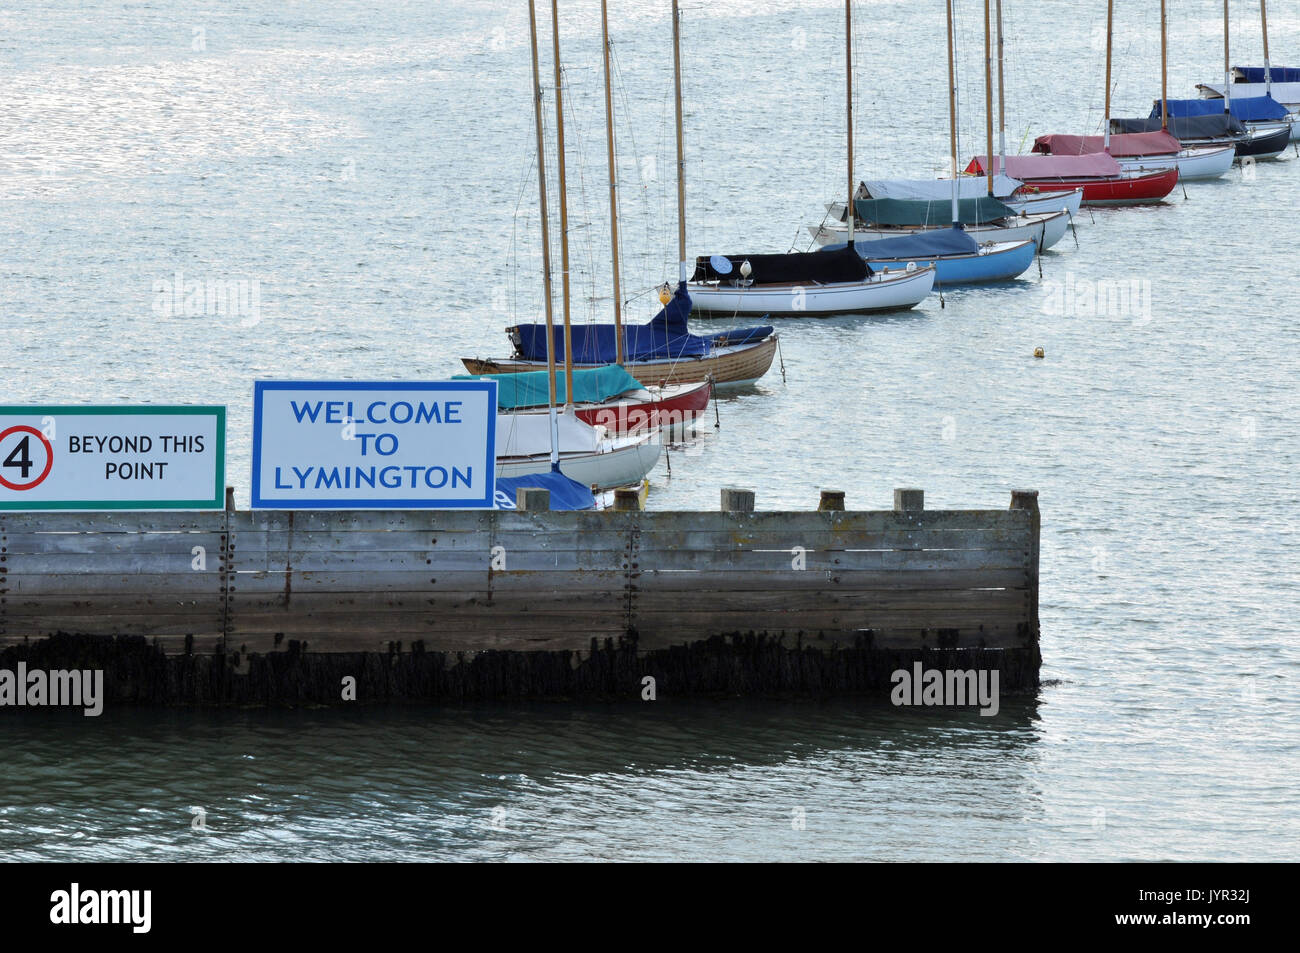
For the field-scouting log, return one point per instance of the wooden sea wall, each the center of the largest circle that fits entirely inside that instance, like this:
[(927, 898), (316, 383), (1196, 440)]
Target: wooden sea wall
[(280, 606)]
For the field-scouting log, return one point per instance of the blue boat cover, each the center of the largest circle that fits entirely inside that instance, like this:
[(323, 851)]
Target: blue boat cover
[(1255, 74), (664, 337), (1248, 109), (910, 212), (923, 245), (566, 493), (528, 389)]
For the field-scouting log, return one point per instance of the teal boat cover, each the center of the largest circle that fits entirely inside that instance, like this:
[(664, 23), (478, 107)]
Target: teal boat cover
[(529, 389), (914, 212)]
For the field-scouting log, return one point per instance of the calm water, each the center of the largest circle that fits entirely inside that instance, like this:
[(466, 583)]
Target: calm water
[(370, 166)]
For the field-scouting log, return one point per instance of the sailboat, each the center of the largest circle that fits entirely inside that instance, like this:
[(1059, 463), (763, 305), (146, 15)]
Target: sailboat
[(1153, 150), (1279, 83), (1014, 194), (984, 219), (552, 444), (663, 351), (1010, 192), (957, 256), (802, 284), (1107, 181), (607, 397)]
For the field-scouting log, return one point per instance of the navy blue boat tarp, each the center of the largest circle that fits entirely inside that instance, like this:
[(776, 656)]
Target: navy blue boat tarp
[(783, 269), (529, 389), (1255, 74), (664, 337), (1247, 109), (914, 212), (566, 493), (944, 241), (1217, 125)]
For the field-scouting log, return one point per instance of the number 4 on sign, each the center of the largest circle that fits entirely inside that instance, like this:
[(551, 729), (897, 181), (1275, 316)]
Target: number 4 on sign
[(20, 456), (18, 463)]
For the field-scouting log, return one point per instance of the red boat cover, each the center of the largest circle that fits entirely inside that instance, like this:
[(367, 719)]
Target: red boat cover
[(1096, 165), (1122, 146)]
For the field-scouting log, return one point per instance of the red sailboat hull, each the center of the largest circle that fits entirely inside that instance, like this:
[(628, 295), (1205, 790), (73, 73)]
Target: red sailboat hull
[(682, 405), (1121, 190)]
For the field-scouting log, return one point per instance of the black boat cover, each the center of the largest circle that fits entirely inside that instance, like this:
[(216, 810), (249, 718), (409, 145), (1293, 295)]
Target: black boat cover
[(1217, 126), (820, 266)]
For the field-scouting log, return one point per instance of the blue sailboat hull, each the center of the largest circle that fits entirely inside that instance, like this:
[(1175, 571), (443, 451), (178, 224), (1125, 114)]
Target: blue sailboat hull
[(1003, 264)]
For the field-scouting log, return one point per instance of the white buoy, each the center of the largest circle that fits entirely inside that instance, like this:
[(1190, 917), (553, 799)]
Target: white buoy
[(745, 269)]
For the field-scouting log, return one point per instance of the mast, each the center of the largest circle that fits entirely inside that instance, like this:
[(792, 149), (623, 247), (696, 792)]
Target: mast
[(681, 157), (613, 185), (988, 94), (1268, 70), (1164, 70), (1002, 100), (546, 237), (848, 70), (564, 209), (1227, 78), (952, 113), (1110, 20)]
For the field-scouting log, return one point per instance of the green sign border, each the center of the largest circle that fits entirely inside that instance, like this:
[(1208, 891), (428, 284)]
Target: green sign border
[(218, 501)]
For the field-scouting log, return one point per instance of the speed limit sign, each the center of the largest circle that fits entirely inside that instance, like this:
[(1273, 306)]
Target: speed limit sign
[(95, 457), (27, 457)]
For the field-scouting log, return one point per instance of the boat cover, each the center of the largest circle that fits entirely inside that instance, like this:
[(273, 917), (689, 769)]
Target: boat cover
[(975, 211), (529, 389), (529, 435), (1096, 165), (968, 187), (1282, 92), (1255, 74), (1247, 108), (566, 493), (1121, 147), (664, 337), (1214, 126), (922, 245), (783, 269)]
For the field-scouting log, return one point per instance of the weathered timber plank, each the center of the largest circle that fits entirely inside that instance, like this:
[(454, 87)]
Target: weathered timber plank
[(994, 636), (811, 522), (95, 622), (898, 560), (926, 538), (125, 563), (1011, 601), (737, 617), (195, 584), (128, 523), (838, 579), (19, 546)]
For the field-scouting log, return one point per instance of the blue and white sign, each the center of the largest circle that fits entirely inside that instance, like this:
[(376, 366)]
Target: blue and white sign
[(349, 444)]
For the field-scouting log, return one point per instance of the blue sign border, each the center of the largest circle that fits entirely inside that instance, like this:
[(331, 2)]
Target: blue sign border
[(487, 501)]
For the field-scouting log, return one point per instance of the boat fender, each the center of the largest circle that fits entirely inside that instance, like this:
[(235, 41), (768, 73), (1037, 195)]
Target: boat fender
[(911, 267)]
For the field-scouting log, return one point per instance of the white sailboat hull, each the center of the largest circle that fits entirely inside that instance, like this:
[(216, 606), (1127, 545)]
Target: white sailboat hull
[(1046, 229), (618, 463), (893, 292), (1193, 164), (1047, 202)]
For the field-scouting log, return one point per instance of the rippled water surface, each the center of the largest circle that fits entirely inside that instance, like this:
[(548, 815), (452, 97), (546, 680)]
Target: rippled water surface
[(370, 166)]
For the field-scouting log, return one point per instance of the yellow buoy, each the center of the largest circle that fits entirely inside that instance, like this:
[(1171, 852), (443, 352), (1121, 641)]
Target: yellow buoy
[(1038, 352), (665, 295)]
